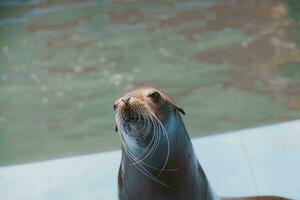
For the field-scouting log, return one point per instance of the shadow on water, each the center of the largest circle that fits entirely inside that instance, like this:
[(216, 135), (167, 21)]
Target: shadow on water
[(230, 64)]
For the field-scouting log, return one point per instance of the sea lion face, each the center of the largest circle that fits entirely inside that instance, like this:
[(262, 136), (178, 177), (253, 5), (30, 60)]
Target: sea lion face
[(142, 108), (150, 99)]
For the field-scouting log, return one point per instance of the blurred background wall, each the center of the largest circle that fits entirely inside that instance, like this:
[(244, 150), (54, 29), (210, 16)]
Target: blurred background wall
[(231, 64)]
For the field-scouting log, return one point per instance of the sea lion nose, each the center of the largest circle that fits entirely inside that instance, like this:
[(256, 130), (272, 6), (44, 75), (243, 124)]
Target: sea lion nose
[(126, 100)]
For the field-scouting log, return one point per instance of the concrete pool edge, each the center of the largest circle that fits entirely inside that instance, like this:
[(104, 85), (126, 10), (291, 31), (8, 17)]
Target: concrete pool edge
[(246, 162)]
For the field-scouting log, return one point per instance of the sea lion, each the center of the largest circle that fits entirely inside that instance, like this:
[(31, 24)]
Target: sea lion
[(158, 160)]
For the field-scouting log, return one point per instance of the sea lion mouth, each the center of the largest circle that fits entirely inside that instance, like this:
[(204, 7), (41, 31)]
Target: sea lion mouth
[(129, 115), (134, 119)]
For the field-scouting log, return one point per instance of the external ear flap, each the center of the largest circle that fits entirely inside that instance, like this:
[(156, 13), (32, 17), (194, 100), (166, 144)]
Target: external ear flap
[(174, 104), (116, 128), (179, 109)]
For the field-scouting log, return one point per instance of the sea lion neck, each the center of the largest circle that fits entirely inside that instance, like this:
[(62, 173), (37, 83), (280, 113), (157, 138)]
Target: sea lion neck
[(183, 177), (173, 136)]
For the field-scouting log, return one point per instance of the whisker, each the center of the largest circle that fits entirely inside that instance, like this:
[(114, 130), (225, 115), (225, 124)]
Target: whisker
[(144, 121)]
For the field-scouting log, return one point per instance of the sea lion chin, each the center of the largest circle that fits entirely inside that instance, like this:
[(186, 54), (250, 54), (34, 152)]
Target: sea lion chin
[(158, 160)]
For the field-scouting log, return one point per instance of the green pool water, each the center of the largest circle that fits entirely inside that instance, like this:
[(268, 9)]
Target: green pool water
[(229, 64)]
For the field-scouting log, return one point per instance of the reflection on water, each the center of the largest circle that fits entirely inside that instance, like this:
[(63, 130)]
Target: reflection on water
[(230, 64)]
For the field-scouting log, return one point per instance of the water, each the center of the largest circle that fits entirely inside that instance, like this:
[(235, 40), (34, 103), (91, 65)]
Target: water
[(230, 64)]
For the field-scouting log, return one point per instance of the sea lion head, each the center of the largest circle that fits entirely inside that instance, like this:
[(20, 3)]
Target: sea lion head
[(141, 111)]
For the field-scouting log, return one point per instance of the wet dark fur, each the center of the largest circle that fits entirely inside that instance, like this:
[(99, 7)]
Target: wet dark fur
[(187, 182)]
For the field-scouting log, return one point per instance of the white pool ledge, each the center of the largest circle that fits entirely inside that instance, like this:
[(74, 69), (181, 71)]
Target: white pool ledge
[(256, 161)]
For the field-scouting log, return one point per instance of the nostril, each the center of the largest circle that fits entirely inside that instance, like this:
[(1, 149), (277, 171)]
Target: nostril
[(115, 106), (126, 100)]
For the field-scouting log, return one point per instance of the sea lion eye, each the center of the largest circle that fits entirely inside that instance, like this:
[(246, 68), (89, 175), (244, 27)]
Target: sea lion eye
[(155, 96)]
